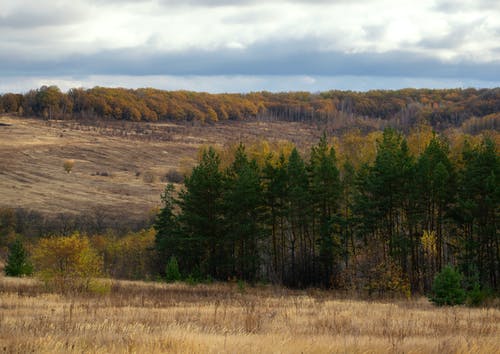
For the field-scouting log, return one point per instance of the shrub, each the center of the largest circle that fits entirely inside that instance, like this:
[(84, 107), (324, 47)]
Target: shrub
[(17, 261), (241, 286), (447, 288), (67, 263), (172, 273), (476, 296), (174, 176), (68, 165)]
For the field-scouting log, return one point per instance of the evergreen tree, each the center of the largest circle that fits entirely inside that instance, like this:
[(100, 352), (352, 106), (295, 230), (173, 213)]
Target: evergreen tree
[(243, 203), (275, 178), (434, 192), (201, 218), (297, 211), (17, 261), (325, 195), (384, 197), (168, 241), (172, 273), (478, 212), (347, 181), (447, 288)]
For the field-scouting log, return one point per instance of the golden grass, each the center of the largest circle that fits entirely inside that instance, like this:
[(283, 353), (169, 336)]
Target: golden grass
[(138, 317)]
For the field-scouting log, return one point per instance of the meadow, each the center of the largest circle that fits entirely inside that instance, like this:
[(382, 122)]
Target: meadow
[(148, 317)]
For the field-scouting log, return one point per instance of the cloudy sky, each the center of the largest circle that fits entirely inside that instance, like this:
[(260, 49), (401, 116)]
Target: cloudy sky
[(249, 45)]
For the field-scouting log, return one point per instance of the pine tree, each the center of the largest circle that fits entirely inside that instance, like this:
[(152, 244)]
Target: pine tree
[(172, 273), (478, 212), (275, 192), (435, 191), (297, 217), (17, 261), (447, 288), (201, 217), (325, 195), (384, 200), (243, 203), (168, 240)]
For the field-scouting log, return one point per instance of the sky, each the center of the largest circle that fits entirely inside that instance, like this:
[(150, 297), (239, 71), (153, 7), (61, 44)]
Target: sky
[(249, 45)]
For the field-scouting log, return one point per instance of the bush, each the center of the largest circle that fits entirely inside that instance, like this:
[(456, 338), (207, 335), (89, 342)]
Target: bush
[(67, 263), (172, 273), (476, 296), (68, 165), (447, 288), (173, 176), (17, 261)]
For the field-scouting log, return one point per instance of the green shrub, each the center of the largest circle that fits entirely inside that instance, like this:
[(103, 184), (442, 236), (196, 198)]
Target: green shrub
[(476, 296), (241, 286), (191, 280), (17, 261), (447, 288), (172, 273)]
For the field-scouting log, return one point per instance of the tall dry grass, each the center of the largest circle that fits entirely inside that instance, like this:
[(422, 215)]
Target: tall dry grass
[(138, 317)]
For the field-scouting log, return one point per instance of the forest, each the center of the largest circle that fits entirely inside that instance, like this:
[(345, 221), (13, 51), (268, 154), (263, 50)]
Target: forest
[(371, 110), (387, 226)]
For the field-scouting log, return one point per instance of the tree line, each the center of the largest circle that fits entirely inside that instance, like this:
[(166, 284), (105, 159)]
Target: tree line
[(302, 219), (403, 108)]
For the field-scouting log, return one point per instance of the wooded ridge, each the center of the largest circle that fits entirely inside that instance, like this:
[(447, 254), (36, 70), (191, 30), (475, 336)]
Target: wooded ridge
[(441, 108)]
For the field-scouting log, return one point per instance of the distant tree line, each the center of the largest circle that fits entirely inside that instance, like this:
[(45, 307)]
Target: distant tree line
[(389, 225), (404, 108)]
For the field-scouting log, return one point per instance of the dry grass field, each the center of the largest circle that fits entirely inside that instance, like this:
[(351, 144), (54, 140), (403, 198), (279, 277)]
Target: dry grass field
[(137, 317), (118, 166)]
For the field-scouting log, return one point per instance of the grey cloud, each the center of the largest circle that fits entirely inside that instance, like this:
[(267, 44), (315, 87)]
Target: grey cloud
[(451, 40), (453, 6), (33, 18), (459, 34), (253, 17), (235, 3), (374, 33), (489, 4), (449, 6), (265, 58)]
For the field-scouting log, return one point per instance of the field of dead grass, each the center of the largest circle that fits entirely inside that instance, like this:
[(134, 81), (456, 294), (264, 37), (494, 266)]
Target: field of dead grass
[(118, 166), (138, 317)]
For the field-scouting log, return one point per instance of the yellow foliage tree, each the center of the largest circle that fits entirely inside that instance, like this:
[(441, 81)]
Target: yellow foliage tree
[(67, 263), (419, 138), (127, 257), (428, 241)]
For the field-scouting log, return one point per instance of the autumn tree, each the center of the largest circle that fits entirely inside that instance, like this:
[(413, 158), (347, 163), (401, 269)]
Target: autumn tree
[(67, 263)]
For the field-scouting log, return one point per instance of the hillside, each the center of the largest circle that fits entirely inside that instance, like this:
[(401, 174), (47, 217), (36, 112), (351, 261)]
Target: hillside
[(120, 167)]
